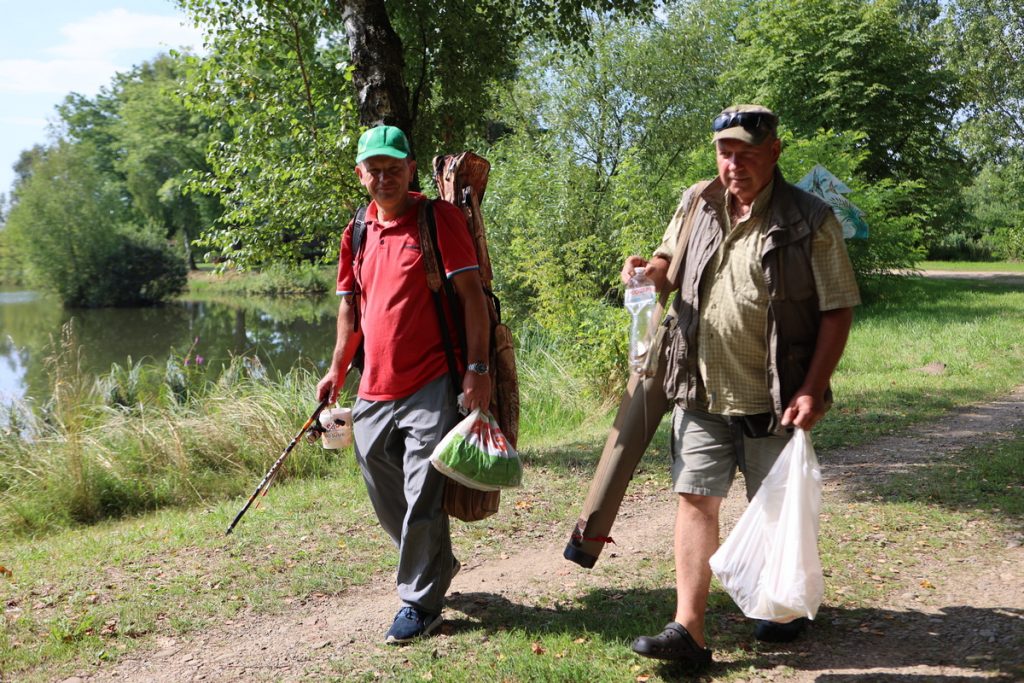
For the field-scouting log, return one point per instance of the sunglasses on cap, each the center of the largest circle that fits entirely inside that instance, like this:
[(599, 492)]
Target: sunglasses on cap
[(751, 121)]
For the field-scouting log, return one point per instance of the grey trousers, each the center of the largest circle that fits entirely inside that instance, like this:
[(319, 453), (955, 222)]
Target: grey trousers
[(393, 443)]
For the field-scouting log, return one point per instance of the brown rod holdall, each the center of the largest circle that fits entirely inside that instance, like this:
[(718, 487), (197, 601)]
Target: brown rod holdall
[(462, 179), (640, 412)]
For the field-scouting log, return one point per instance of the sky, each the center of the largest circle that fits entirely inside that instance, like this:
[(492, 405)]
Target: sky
[(50, 48)]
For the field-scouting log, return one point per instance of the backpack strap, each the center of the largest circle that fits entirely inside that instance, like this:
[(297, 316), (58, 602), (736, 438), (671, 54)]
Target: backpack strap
[(358, 239), (431, 255)]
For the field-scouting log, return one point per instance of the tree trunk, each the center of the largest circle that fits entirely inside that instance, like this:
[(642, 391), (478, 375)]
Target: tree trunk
[(376, 52)]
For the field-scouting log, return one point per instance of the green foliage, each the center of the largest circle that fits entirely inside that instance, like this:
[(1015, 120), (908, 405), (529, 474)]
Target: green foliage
[(280, 280), (996, 200), (847, 65), (10, 268), (894, 243), (76, 237), (959, 246), (161, 142), (984, 45), (592, 170), (279, 91)]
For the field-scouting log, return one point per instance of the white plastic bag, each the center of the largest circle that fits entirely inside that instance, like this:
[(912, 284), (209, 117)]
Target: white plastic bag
[(769, 563), (476, 454)]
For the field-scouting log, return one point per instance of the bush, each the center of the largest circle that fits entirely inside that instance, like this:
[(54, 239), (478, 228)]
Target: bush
[(1007, 243), (958, 246), (74, 233)]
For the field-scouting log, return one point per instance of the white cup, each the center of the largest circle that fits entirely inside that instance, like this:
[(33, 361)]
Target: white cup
[(337, 423)]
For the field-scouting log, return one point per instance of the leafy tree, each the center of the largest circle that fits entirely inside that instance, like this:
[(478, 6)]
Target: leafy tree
[(428, 67), (848, 65), (161, 142), (23, 170), (996, 200), (593, 168), (296, 82), (985, 46), (144, 142), (276, 86), (76, 235)]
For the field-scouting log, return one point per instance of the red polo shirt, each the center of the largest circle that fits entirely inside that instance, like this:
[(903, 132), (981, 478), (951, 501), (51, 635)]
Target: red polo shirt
[(401, 337)]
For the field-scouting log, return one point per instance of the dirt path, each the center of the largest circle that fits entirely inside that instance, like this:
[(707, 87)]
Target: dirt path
[(961, 628), (1001, 277)]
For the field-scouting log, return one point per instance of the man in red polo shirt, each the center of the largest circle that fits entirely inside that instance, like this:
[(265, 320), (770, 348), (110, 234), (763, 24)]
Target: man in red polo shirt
[(406, 402)]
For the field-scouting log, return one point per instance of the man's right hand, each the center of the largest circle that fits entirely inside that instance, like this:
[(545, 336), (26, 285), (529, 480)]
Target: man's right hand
[(329, 387), (630, 265)]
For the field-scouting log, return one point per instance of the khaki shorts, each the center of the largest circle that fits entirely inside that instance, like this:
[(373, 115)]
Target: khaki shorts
[(704, 454)]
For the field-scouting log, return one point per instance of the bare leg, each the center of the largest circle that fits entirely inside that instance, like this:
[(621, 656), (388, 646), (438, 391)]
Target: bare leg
[(696, 539)]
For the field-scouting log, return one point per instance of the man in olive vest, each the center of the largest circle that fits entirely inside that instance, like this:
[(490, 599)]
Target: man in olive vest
[(764, 307)]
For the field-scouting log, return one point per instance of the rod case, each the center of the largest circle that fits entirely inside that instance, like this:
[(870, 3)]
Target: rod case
[(641, 409)]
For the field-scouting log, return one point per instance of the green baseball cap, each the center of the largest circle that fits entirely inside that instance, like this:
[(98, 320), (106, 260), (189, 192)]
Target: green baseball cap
[(383, 141)]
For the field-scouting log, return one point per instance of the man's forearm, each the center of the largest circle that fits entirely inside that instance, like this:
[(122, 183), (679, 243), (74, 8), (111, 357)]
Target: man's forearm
[(476, 321), (832, 335), (347, 339)]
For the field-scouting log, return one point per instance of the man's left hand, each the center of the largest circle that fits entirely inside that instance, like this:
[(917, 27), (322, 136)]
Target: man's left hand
[(803, 411), (476, 391)]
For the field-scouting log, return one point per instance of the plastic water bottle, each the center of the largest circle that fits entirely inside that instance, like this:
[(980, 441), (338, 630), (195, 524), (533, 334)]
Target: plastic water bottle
[(640, 300)]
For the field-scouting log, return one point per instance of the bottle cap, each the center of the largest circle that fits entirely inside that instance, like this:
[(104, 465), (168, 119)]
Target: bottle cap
[(640, 270)]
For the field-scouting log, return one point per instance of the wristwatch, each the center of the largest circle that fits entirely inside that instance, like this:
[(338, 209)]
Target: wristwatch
[(479, 368)]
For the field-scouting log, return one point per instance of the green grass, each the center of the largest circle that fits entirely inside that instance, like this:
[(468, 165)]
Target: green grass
[(986, 480), (923, 347), (275, 281), (174, 572), (87, 593)]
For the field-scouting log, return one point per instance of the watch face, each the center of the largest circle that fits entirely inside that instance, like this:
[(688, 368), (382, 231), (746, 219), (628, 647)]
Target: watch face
[(478, 368)]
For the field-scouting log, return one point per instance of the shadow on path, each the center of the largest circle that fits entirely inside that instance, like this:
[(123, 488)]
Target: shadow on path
[(954, 643)]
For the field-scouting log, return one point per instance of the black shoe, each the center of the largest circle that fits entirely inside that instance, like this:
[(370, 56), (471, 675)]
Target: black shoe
[(674, 643), (774, 632)]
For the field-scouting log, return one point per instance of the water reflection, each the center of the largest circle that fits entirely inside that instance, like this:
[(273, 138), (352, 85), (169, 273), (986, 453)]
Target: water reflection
[(282, 334)]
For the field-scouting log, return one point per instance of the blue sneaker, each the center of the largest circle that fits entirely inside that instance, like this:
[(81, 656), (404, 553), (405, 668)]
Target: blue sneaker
[(410, 624)]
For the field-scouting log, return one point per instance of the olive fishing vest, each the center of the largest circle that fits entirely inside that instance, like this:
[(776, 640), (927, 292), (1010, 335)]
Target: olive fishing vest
[(793, 315)]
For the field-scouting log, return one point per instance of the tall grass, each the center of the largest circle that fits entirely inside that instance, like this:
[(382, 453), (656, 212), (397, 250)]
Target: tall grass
[(131, 443), (143, 437), (554, 399)]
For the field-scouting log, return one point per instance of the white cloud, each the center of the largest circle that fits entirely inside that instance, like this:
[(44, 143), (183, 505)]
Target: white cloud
[(94, 49), (104, 35)]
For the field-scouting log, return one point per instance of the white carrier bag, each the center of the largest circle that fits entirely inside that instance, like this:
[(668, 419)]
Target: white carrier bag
[(769, 564)]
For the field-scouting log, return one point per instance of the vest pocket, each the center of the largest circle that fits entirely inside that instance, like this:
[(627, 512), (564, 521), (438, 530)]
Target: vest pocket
[(675, 362)]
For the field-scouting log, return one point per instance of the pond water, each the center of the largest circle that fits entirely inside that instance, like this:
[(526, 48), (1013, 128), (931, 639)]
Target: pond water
[(281, 333)]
